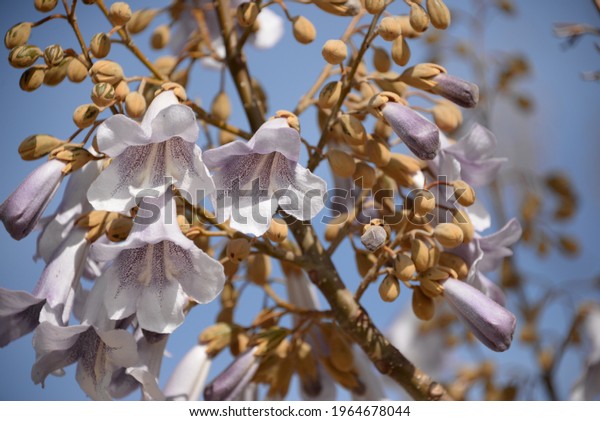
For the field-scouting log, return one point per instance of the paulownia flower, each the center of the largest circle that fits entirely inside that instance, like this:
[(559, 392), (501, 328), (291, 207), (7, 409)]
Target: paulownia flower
[(588, 385), (187, 380), (23, 209), (150, 156), (155, 270), (231, 383), (255, 177)]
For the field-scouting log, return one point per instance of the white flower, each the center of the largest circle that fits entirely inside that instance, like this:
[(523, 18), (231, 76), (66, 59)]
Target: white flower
[(255, 177), (588, 385), (150, 156), (189, 377), (155, 270)]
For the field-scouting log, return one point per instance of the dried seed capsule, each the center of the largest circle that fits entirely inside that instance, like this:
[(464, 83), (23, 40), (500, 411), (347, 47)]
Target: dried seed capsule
[(103, 94), (135, 104), (32, 78), (419, 254), (17, 35), (352, 130), (364, 176), (259, 268), (304, 30), (278, 231), (404, 267), (119, 13), (85, 115), (45, 5), (438, 13), (422, 305), (221, 106), (389, 289), (76, 71), (238, 249), (418, 18), (330, 94), (374, 6), (342, 164), (334, 51), (381, 60), (100, 45), (247, 13), (24, 56), (160, 37), (106, 71), (400, 51), (464, 193), (140, 19), (57, 74), (449, 235), (37, 146), (389, 28)]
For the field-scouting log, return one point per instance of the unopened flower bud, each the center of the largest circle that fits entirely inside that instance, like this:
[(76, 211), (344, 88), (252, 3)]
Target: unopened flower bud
[(24, 56), (259, 268), (419, 134), (103, 94), (389, 289), (56, 74), (454, 262), (333, 228), (334, 51), (389, 28), (374, 237), (278, 231), (100, 45), (438, 13), (140, 19), (221, 106), (374, 6), (352, 130), (17, 35), (422, 305), (106, 71), (447, 116), (342, 164), (37, 146), (404, 268), (364, 261), (119, 13), (461, 219), (304, 30), (85, 115), (160, 37), (421, 75), (177, 89), (491, 323), (135, 104), (378, 152), (247, 13), (76, 71), (461, 92), (419, 254), (232, 381), (400, 51), (364, 176), (118, 229), (330, 94), (464, 194), (45, 5), (32, 78), (449, 235), (121, 90), (432, 288), (381, 60), (238, 249), (423, 203), (418, 18), (73, 155), (226, 137)]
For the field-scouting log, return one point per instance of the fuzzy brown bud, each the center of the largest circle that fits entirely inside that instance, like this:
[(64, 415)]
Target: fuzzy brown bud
[(238, 249), (364, 175), (259, 268), (119, 13), (24, 56), (140, 19), (160, 37), (352, 130), (464, 193), (247, 13), (56, 74), (422, 305), (100, 45), (45, 5), (17, 35), (334, 51), (447, 116), (85, 115), (400, 51), (304, 30), (438, 13), (278, 231), (76, 71), (135, 104), (423, 203), (418, 18), (103, 94), (454, 262), (448, 235), (381, 60), (419, 255), (342, 164), (221, 106), (106, 71), (32, 78), (374, 6), (119, 228), (404, 267), (461, 219), (389, 28), (378, 152), (389, 289), (177, 89), (37, 146), (330, 94)]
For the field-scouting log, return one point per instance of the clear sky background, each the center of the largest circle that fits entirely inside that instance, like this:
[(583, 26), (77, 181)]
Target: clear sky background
[(562, 133)]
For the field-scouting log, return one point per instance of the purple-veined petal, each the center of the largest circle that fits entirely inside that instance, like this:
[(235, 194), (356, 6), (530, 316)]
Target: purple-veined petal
[(19, 314), (22, 210), (276, 136), (304, 196), (188, 379), (184, 164), (218, 157), (121, 348), (122, 287)]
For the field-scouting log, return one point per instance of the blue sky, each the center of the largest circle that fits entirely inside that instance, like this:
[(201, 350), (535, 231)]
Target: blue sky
[(563, 133)]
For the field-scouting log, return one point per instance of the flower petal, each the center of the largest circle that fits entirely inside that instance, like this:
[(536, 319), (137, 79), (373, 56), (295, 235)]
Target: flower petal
[(121, 349), (276, 136), (118, 133), (158, 104), (304, 196), (175, 121), (184, 164), (122, 289), (19, 314), (188, 378)]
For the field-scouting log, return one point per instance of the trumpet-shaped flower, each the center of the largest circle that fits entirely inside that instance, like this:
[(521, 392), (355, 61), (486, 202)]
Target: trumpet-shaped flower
[(231, 383), (155, 270), (255, 177), (187, 380), (23, 209), (150, 156)]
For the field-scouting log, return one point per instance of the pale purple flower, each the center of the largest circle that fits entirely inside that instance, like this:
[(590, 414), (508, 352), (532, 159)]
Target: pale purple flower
[(461, 92), (475, 154), (371, 379), (587, 386), (24, 207), (150, 156), (420, 135), (187, 380), (19, 314), (254, 178), (156, 269), (491, 323), (231, 383)]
